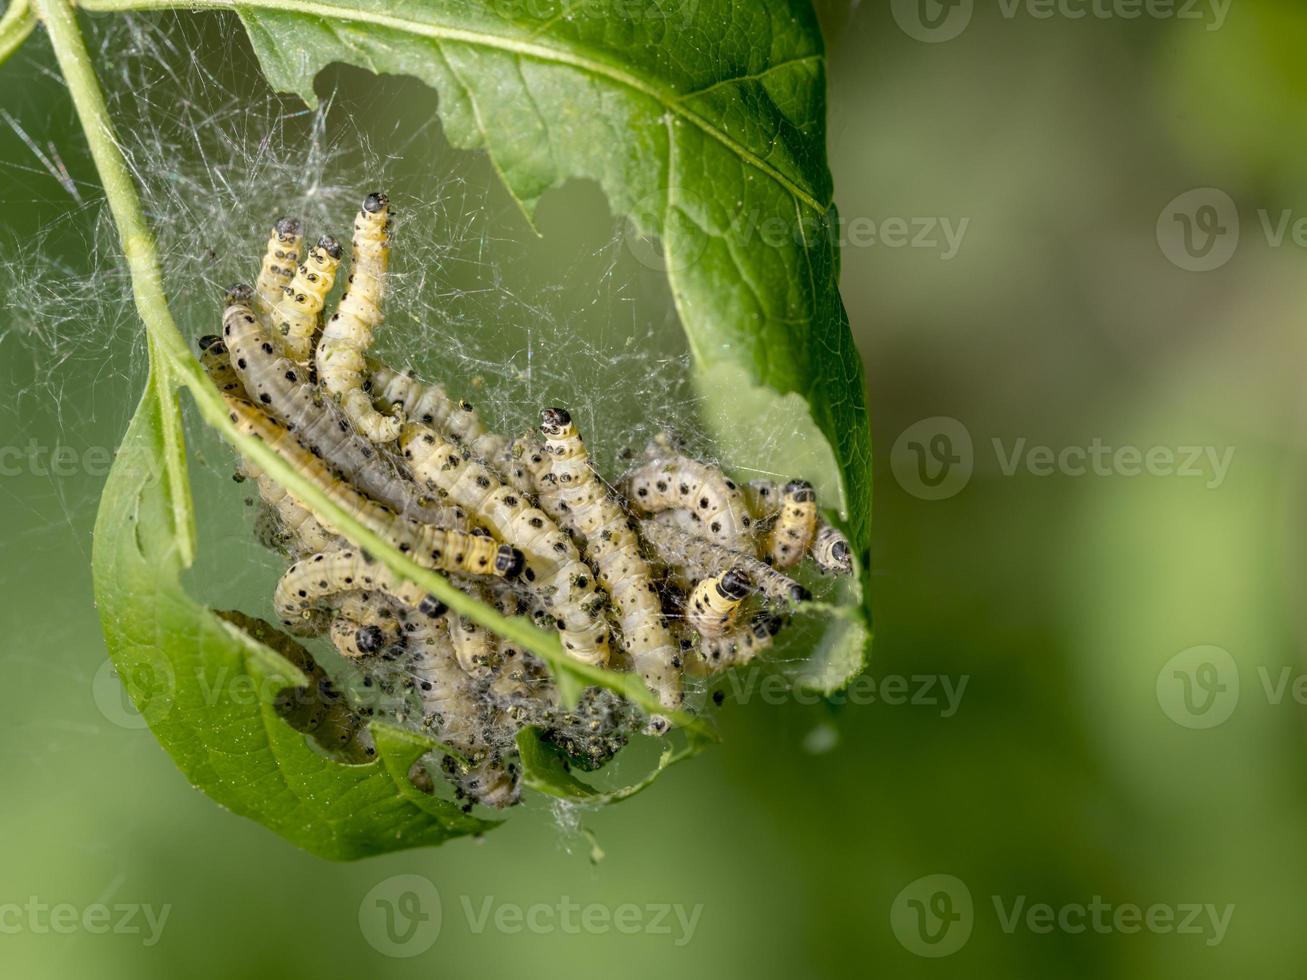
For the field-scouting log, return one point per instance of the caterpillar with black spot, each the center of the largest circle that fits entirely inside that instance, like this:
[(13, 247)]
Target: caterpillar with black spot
[(307, 590), (217, 365), (348, 332), (553, 568), (429, 404), (296, 315), (741, 645), (827, 545), (714, 603), (287, 525), (367, 623), (678, 546), (280, 259), (455, 715), (443, 549), (289, 396), (571, 492), (672, 481)]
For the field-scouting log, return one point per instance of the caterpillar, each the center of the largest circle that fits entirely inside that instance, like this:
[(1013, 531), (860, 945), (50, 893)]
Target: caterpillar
[(217, 365), (474, 646), (280, 260), (714, 501), (431, 405), (792, 534), (553, 568), (366, 623), (303, 594), (297, 313), (456, 716), (714, 604), (830, 550), (348, 332), (740, 646), (677, 546), (290, 527), (281, 387), (827, 545), (443, 549), (570, 492)]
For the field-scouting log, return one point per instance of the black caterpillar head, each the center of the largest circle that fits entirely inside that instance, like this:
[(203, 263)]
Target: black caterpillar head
[(375, 202), (554, 420), (370, 639), (509, 561), (330, 246), (211, 343), (288, 227), (240, 293), (735, 585), (800, 490)]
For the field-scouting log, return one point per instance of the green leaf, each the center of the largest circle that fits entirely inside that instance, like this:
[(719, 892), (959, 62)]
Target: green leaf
[(208, 690), (544, 770), (704, 123)]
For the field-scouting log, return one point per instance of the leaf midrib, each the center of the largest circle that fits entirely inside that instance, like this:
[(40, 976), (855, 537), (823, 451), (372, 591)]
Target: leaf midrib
[(669, 100)]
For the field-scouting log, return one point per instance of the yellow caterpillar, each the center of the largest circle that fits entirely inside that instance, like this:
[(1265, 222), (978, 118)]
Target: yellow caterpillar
[(280, 260), (284, 391), (714, 604), (296, 314), (826, 544), (679, 547), (671, 481), (447, 550), (348, 333), (570, 492), (553, 568)]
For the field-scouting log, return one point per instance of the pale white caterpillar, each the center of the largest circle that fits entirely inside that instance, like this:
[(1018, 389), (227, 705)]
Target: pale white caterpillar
[(307, 593), (443, 549), (296, 315), (430, 405), (672, 481), (348, 332), (553, 568), (679, 547), (571, 492), (285, 392)]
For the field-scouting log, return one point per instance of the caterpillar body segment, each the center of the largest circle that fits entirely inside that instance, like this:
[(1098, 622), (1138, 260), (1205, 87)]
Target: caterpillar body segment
[(742, 644), (455, 714), (831, 551), (283, 389), (431, 405), (553, 569), (678, 547), (828, 547), (340, 360), (217, 365), (280, 260), (672, 481), (306, 595), (447, 550), (571, 492), (714, 604), (367, 623), (297, 314), (294, 529), (474, 646)]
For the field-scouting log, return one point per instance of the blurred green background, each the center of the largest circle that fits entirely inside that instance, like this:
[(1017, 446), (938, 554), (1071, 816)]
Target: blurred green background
[(1072, 312)]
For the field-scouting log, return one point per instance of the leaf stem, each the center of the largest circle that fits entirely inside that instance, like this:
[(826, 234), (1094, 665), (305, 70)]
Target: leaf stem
[(15, 24)]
